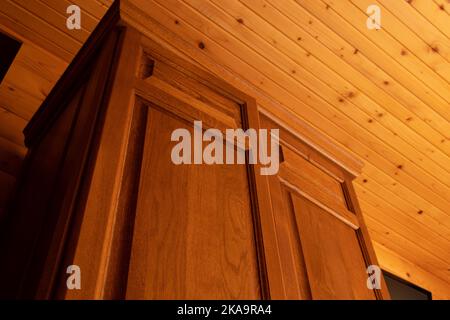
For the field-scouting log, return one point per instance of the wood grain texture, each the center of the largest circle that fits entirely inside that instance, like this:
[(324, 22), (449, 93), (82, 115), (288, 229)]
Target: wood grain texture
[(141, 227), (143, 22), (328, 184), (10, 126), (99, 212), (405, 269), (195, 221), (75, 172), (116, 281), (296, 284), (382, 135), (383, 96), (310, 202), (335, 270), (271, 273)]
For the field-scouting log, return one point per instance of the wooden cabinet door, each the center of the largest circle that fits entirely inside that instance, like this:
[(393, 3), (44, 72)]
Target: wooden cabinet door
[(193, 236), (333, 258), (148, 228), (194, 230), (322, 250)]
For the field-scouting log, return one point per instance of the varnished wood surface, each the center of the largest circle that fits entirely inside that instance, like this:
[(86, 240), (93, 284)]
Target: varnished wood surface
[(140, 226), (97, 215), (323, 243), (295, 281), (383, 95), (399, 170), (193, 235), (335, 265)]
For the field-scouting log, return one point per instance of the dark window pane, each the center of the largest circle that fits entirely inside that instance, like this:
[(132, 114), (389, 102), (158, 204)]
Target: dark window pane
[(9, 48), (403, 290)]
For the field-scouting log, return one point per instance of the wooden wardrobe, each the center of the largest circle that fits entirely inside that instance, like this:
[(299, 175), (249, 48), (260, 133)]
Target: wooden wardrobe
[(99, 190)]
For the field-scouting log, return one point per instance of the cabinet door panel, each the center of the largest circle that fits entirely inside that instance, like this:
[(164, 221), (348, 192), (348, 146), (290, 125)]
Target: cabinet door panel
[(333, 257), (193, 236), (318, 237)]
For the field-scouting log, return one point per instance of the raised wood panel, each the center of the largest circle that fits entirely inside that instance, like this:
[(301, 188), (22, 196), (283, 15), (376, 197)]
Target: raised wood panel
[(209, 99), (99, 210), (317, 176), (76, 169), (310, 203), (315, 193), (291, 141), (316, 265), (174, 98), (335, 266), (204, 245)]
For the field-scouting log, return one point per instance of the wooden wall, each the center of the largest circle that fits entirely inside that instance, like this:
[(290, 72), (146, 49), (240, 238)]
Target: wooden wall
[(383, 95)]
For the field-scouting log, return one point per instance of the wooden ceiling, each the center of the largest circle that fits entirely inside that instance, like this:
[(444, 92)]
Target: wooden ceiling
[(384, 95)]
